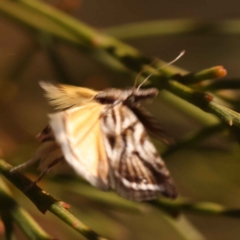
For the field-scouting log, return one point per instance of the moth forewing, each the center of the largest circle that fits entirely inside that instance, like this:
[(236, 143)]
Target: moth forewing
[(77, 131), (151, 124), (137, 171), (65, 96)]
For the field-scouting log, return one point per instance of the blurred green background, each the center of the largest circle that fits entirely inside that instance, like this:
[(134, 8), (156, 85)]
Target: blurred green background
[(207, 171)]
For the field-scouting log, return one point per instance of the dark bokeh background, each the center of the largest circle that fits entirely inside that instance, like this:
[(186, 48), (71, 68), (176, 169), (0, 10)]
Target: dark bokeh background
[(207, 172)]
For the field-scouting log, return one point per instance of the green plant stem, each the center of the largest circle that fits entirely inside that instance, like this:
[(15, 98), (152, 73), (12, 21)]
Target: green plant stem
[(19, 14), (11, 212), (226, 84), (207, 208), (8, 224), (206, 74), (45, 201), (35, 22), (227, 115), (184, 228), (173, 27), (133, 60)]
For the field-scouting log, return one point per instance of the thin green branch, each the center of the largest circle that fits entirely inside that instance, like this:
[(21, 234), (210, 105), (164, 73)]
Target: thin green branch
[(183, 205), (71, 30), (11, 212), (173, 27), (227, 115), (45, 202), (35, 22), (134, 61), (225, 84), (206, 74), (112, 201), (205, 102), (8, 225), (230, 98), (184, 228)]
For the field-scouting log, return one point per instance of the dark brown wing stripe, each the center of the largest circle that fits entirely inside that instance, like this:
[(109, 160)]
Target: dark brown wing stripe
[(151, 124), (138, 171)]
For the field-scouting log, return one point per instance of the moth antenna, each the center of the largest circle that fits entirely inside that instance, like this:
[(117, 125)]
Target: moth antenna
[(140, 73), (165, 65), (138, 76)]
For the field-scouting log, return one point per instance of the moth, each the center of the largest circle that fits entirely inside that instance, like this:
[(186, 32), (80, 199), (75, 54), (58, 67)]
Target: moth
[(103, 136)]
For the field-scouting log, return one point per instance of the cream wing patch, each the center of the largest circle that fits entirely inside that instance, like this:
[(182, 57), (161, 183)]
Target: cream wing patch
[(78, 132)]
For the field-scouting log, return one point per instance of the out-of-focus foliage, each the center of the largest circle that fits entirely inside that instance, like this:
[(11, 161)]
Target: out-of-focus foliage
[(206, 163)]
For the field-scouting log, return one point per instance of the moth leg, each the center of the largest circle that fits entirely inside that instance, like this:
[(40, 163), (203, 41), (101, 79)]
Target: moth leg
[(24, 165), (44, 172)]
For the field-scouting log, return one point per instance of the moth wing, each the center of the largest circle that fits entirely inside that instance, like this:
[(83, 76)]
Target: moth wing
[(152, 125), (63, 96), (48, 152), (137, 171), (78, 132)]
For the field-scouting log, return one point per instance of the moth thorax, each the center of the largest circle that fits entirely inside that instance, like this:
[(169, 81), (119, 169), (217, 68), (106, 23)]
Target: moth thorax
[(112, 95)]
